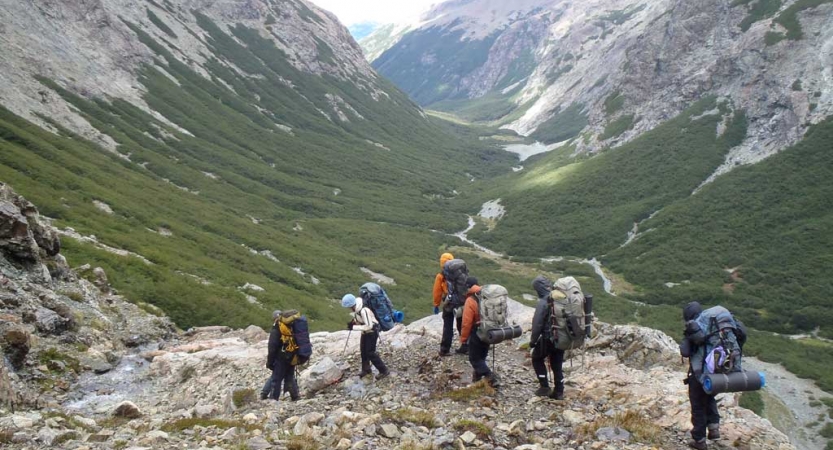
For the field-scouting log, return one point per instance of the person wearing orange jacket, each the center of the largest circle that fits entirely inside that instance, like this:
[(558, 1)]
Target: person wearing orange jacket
[(478, 350), (440, 295)]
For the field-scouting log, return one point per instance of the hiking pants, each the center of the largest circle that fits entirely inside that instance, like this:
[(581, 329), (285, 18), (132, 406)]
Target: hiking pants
[(369, 354), (478, 352), (266, 392), (703, 409), (556, 357), (448, 330), (283, 373)]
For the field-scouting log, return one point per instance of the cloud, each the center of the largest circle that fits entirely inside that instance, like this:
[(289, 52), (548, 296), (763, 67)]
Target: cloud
[(352, 12)]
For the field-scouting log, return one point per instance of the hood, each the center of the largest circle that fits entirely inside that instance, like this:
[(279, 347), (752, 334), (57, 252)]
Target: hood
[(542, 286), (473, 290), (691, 311), (359, 303), (444, 258)]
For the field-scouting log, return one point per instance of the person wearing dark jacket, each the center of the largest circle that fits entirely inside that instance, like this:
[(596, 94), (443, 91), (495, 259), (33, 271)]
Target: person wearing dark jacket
[(478, 350), (705, 418), (542, 346), (278, 361)]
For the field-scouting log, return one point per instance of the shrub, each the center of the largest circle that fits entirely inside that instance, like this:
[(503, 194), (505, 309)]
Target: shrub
[(480, 429), (642, 428), (408, 415), (753, 402), (243, 397), (472, 392)]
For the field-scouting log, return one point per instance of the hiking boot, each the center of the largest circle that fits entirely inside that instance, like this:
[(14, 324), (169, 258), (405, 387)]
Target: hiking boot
[(382, 375), (714, 431), (444, 352), (556, 395), (699, 445), (463, 350), (543, 391), (494, 380), (365, 370)]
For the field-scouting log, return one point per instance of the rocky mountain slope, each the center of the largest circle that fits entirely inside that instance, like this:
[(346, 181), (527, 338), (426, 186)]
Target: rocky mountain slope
[(206, 151), (608, 71), (83, 368)]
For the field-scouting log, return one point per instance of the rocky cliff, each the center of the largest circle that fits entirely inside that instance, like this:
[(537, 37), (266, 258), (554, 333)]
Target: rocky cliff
[(607, 71), (83, 368), (93, 50)]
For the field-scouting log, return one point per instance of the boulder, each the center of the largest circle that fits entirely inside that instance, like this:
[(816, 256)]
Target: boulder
[(637, 347), (254, 334), (613, 434), (128, 410), (100, 280), (22, 236), (16, 345), (258, 443), (322, 374), (49, 322)]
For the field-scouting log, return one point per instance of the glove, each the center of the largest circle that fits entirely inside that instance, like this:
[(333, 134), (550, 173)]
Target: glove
[(350, 325), (436, 310)]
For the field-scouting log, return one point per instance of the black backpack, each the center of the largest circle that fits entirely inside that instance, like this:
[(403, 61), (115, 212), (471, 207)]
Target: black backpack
[(300, 337), (456, 273)]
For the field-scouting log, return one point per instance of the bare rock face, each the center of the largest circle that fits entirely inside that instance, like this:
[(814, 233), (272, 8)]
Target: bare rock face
[(22, 236), (545, 55), (17, 341)]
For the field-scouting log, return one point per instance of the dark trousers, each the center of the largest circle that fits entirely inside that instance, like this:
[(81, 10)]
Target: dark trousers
[(368, 351), (283, 373), (703, 409), (546, 350), (478, 352), (448, 329)]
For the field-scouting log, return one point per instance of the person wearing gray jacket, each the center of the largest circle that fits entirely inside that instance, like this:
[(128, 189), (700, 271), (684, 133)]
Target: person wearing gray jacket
[(542, 344)]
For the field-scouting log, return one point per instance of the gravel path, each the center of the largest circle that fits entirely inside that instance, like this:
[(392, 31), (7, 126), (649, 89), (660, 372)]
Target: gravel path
[(795, 395)]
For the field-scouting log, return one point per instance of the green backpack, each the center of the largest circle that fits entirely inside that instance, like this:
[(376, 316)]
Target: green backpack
[(566, 314)]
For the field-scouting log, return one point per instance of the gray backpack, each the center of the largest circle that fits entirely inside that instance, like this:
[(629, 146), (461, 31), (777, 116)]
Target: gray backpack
[(492, 309), (566, 314)]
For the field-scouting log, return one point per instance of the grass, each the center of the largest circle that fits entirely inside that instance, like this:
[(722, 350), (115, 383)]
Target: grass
[(643, 429), (6, 436), (302, 443), (472, 392), (772, 38), (789, 17), (564, 125), (617, 127), (411, 416), (481, 430), (180, 425), (753, 402), (827, 430), (243, 397), (53, 354), (760, 10), (614, 103)]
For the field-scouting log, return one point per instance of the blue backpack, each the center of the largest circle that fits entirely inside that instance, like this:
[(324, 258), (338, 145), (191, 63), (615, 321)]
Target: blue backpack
[(719, 339), (377, 299)]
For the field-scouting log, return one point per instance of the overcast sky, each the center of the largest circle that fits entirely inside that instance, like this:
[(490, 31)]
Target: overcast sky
[(352, 12)]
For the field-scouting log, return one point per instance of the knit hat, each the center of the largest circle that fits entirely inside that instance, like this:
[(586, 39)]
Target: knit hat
[(471, 281), (348, 301)]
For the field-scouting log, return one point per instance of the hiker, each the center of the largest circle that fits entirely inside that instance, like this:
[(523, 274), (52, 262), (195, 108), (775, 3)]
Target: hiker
[(266, 391), (441, 303), (542, 345), (705, 419), (478, 350), (279, 360), (365, 321)]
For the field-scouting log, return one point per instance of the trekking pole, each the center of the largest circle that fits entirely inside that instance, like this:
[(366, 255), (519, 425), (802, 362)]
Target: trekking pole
[(346, 342)]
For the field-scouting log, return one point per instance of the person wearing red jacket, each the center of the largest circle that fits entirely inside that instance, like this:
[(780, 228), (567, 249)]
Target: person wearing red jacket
[(440, 303), (478, 350)]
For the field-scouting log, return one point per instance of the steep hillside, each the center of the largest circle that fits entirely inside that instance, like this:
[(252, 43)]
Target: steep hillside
[(221, 159), (615, 69)]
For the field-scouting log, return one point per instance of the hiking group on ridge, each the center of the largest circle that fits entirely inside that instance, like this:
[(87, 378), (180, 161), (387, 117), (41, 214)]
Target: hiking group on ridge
[(713, 339)]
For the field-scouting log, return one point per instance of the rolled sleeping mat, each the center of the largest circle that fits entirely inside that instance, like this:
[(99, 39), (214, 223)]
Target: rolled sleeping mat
[(398, 316), (746, 380), (498, 335), (588, 314)]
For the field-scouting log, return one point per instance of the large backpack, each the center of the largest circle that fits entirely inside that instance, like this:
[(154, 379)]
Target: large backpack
[(456, 273), (295, 337), (377, 299), (719, 339), (491, 306), (566, 315)]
